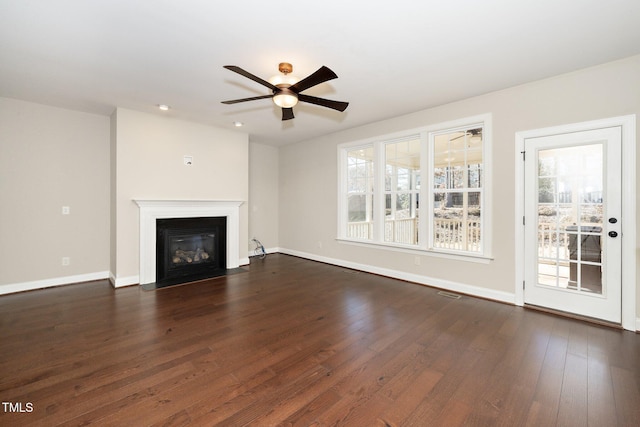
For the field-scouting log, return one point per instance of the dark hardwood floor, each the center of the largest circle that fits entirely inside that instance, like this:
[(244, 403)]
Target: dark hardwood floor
[(298, 343)]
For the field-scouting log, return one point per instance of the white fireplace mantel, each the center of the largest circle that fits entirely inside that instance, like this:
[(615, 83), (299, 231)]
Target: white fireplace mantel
[(150, 210)]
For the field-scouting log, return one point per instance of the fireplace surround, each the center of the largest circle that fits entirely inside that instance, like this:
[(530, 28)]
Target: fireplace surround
[(152, 210)]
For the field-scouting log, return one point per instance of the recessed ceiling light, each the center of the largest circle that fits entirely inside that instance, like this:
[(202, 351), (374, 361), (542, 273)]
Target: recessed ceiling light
[(238, 124), (163, 107)]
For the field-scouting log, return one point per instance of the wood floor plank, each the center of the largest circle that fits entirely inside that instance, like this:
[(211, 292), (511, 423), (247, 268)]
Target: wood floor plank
[(316, 399), (573, 397), (601, 405), (438, 402), (627, 396), (294, 342), (522, 359), (306, 415), (546, 399), (417, 391)]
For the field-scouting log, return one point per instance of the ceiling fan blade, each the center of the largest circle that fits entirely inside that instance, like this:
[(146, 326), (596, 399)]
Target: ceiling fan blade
[(248, 75), (336, 105), (322, 75), (458, 137), (287, 114), (253, 98)]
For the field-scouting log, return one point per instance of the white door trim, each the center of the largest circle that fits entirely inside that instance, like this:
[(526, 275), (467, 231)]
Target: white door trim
[(628, 125)]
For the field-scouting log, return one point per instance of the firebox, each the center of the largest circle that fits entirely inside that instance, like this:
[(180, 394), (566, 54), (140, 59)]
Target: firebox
[(189, 249)]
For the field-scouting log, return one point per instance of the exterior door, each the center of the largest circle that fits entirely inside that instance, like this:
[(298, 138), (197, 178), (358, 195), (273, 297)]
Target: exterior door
[(573, 223)]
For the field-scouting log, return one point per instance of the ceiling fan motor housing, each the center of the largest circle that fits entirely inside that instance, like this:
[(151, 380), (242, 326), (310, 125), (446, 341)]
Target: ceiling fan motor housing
[(285, 67)]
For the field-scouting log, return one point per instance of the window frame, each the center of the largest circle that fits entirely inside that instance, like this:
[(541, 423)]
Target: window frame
[(426, 135), (344, 193)]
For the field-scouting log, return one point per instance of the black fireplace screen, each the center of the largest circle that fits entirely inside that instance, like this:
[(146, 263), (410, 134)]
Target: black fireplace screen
[(190, 248)]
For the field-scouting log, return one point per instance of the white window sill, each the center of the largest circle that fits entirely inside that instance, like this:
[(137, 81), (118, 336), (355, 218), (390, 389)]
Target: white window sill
[(396, 247)]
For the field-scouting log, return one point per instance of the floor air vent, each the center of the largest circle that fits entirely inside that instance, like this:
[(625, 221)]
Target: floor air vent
[(449, 295)]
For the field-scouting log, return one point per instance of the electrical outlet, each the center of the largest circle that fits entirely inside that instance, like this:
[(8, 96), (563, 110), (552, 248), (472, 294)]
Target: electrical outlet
[(66, 210), (188, 160), (416, 260), (66, 260)]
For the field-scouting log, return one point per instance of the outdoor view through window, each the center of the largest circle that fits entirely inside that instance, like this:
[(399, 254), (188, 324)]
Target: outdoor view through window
[(383, 184)]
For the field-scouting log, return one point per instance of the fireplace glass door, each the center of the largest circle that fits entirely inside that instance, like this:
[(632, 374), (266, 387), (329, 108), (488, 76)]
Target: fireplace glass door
[(190, 249)]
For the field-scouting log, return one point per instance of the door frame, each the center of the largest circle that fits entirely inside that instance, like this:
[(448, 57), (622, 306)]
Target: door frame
[(628, 269)]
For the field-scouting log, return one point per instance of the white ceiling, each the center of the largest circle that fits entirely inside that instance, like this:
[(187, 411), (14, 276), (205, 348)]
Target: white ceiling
[(392, 57)]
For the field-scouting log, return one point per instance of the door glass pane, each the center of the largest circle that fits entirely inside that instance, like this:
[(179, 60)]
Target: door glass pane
[(570, 215)]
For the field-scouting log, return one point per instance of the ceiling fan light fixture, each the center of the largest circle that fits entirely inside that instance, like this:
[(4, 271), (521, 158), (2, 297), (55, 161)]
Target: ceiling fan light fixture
[(285, 100)]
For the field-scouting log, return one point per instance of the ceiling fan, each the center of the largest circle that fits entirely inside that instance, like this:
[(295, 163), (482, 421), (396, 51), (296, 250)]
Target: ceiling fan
[(286, 92)]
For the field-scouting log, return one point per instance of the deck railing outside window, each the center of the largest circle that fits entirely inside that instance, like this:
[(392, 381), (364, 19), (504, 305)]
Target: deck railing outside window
[(449, 233)]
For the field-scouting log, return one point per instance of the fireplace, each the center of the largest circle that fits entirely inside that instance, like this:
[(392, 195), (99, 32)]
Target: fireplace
[(153, 210), (189, 249)]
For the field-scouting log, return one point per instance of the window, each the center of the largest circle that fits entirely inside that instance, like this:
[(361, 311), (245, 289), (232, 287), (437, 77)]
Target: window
[(402, 191), (457, 190), (382, 189), (359, 194)]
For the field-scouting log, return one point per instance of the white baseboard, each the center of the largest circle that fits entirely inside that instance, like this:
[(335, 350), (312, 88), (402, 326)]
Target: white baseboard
[(448, 285), (50, 283), (121, 282)]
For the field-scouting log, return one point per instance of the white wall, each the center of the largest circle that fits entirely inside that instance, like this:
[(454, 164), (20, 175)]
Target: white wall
[(308, 175), (96, 165), (263, 196), (149, 151), (49, 158)]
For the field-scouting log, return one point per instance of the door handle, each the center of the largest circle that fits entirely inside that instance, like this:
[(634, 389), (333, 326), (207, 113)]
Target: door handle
[(613, 234)]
